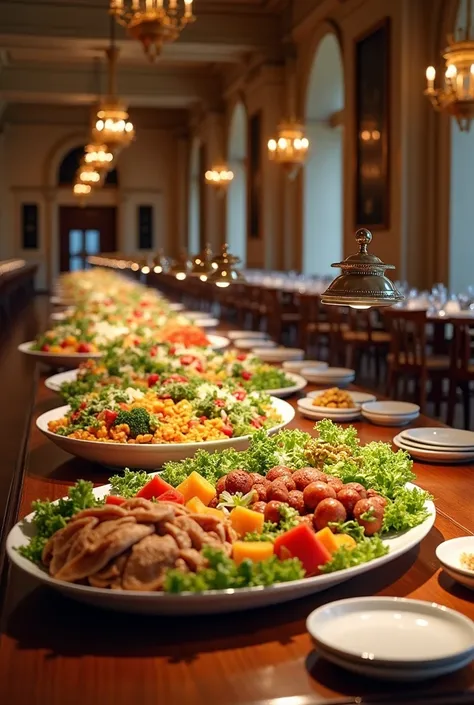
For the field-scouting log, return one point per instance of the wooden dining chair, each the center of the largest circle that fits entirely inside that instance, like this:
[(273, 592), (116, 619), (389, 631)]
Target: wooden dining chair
[(282, 316), (313, 327), (363, 338), (461, 371)]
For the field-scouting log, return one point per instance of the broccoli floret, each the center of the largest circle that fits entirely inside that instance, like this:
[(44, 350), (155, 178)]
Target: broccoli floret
[(138, 421)]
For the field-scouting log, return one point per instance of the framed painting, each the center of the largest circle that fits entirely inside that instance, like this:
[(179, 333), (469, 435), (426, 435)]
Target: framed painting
[(372, 139)]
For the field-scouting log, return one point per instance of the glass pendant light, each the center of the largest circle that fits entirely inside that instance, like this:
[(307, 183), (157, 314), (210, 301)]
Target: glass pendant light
[(363, 283), (181, 266), (202, 264), (224, 273)]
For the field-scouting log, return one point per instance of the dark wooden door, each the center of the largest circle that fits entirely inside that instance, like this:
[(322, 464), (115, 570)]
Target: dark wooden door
[(84, 232)]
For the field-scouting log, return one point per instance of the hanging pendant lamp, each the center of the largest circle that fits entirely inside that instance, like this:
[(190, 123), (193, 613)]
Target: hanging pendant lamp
[(224, 273), (181, 266), (202, 264), (363, 283)]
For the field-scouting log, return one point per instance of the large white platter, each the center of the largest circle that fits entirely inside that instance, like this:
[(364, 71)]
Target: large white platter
[(147, 456), (218, 342), (55, 381), (212, 601), (58, 359)]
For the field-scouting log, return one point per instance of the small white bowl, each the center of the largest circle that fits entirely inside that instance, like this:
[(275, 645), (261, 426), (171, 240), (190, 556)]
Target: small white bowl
[(277, 354), (298, 365), (390, 408), (386, 420), (249, 343), (247, 334), (449, 555)]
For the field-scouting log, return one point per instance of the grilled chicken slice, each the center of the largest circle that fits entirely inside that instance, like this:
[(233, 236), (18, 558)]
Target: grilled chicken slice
[(108, 511), (56, 550), (149, 560), (180, 536), (111, 575)]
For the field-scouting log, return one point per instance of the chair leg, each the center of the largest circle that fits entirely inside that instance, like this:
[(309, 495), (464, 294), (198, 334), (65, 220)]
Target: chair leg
[(451, 402)]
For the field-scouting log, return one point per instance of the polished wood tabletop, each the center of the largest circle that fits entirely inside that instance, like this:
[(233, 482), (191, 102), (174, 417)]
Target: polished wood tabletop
[(54, 651)]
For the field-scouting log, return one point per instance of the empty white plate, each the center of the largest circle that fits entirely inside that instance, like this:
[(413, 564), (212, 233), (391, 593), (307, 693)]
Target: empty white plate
[(386, 420), (391, 408), (278, 354), (442, 437), (408, 440), (449, 555), (246, 334), (357, 397), (392, 632), (298, 365), (433, 456), (249, 343)]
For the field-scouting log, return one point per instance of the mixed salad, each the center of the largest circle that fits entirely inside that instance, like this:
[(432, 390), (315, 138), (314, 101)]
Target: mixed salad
[(289, 507)]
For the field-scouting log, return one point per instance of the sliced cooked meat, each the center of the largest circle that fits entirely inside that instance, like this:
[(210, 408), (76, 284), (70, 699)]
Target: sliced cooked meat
[(96, 555), (58, 546), (178, 509), (108, 511), (111, 575), (181, 565), (211, 524), (194, 531), (180, 536), (149, 560), (193, 559)]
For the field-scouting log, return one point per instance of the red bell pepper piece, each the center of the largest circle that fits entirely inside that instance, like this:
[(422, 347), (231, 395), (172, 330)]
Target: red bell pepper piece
[(45, 348), (109, 417), (171, 495), (83, 348), (115, 499), (153, 379), (228, 430), (246, 375), (187, 359), (241, 357), (154, 488), (300, 542)]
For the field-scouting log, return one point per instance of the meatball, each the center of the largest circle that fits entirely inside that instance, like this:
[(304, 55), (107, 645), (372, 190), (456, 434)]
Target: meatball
[(307, 519), (358, 488), (238, 481), (288, 481), (277, 491), (372, 513), (296, 500), (256, 478), (305, 476), (277, 471), (348, 498), (214, 502), (373, 494), (335, 483), (260, 492), (315, 492), (220, 487), (272, 512), (327, 511), (259, 507)]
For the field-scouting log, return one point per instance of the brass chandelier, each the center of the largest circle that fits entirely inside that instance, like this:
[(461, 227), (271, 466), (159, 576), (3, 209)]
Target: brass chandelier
[(153, 22), (219, 177), (456, 96)]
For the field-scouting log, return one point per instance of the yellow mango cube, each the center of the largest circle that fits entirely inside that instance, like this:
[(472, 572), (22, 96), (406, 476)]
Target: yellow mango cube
[(328, 539), (245, 520), (197, 486), (254, 550), (218, 513), (345, 540), (196, 506)]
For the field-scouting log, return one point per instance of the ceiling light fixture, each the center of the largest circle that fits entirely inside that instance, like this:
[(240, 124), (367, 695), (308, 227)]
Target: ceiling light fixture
[(224, 273), (219, 177), (202, 264), (456, 96), (363, 283), (153, 22), (98, 156), (180, 266)]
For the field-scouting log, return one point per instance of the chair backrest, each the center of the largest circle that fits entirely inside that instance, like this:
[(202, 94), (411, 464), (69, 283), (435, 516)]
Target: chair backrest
[(408, 338), (461, 349)]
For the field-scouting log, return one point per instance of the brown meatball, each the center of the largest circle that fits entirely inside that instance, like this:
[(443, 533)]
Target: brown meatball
[(272, 512), (314, 493), (220, 487), (358, 488), (327, 511), (259, 507), (277, 471), (372, 523), (214, 502), (348, 498), (305, 476), (277, 491), (260, 492), (296, 500), (238, 481), (256, 478), (373, 494), (307, 519), (335, 483), (288, 481)]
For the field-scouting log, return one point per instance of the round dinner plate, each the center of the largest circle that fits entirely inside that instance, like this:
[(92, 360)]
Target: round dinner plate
[(434, 456), (247, 334), (408, 440), (277, 354), (323, 413), (176, 307), (147, 456), (442, 437), (307, 404), (211, 601), (393, 632), (58, 359), (299, 383), (61, 315), (357, 397), (251, 343), (207, 322), (218, 342), (298, 365), (55, 381), (337, 376), (58, 301), (391, 408)]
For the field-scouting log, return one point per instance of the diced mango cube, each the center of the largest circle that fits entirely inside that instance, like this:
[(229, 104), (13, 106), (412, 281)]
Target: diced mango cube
[(197, 486), (327, 538), (246, 520), (344, 540), (196, 506), (218, 513), (255, 550)]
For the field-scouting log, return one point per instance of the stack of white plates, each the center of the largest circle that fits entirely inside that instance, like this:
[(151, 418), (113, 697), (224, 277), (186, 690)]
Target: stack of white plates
[(334, 376), (247, 334), (392, 638), (390, 413), (449, 555), (298, 365), (275, 354), (438, 445), (307, 409), (249, 343)]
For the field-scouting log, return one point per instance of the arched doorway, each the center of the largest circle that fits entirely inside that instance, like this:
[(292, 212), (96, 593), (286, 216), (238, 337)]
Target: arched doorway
[(194, 199), (461, 194), (323, 171), (236, 226)]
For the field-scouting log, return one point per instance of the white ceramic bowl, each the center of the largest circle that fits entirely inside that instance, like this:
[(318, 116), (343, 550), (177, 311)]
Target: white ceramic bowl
[(247, 334), (332, 376), (218, 342), (212, 601), (298, 365), (147, 456), (176, 307), (385, 420), (250, 343), (69, 360), (390, 408), (307, 403), (449, 555), (277, 354)]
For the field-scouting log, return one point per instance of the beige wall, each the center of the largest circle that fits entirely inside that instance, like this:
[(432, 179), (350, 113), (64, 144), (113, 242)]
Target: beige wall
[(148, 174)]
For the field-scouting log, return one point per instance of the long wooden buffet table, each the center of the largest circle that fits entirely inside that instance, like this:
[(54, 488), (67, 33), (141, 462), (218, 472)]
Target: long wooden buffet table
[(54, 651)]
